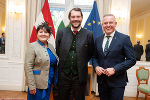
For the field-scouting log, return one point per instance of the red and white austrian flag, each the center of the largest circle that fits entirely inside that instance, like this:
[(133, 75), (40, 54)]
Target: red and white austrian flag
[(44, 16)]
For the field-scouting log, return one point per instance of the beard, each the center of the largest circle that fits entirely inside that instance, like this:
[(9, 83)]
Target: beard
[(76, 26)]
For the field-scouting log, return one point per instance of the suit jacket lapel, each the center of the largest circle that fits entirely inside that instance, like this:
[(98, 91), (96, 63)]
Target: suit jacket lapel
[(100, 45), (113, 42), (67, 41)]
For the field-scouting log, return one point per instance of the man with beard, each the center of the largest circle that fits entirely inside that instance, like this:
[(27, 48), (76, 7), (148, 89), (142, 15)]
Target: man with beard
[(74, 46)]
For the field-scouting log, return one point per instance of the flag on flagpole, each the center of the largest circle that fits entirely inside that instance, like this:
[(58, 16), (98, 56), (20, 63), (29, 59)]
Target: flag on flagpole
[(93, 22), (44, 16), (65, 21), (63, 25)]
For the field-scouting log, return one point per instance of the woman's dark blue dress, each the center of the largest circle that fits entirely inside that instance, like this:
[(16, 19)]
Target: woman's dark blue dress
[(44, 94)]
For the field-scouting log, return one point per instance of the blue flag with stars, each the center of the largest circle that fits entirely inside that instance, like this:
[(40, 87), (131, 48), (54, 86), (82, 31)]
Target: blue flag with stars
[(93, 22)]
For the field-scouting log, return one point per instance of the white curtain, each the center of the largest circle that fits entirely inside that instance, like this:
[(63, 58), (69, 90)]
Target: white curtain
[(33, 8), (107, 6), (104, 7)]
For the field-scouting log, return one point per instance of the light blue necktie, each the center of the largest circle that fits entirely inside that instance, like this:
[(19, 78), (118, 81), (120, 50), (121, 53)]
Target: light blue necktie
[(106, 45)]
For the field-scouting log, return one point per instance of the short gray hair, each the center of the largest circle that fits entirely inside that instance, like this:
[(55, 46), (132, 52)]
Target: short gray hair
[(105, 15)]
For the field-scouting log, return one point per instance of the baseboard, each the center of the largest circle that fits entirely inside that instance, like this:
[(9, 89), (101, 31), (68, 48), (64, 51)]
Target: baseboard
[(11, 87)]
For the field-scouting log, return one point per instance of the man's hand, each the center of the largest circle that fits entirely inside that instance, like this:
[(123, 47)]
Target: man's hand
[(99, 70), (109, 71), (33, 91)]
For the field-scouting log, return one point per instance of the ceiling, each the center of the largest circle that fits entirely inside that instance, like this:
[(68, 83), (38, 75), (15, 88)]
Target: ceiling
[(139, 6)]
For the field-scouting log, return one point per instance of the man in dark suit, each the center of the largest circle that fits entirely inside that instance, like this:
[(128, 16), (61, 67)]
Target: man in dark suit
[(74, 46), (112, 57), (138, 50), (2, 44), (147, 51)]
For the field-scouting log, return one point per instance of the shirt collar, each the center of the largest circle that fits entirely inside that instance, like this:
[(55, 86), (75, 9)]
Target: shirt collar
[(112, 34), (77, 30), (40, 43)]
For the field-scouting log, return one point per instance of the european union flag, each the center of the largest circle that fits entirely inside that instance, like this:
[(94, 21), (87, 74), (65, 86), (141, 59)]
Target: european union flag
[(93, 22)]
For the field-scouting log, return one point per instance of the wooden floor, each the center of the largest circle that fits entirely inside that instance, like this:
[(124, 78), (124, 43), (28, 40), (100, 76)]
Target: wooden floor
[(13, 95)]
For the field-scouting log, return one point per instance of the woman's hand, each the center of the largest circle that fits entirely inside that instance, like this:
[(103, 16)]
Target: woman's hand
[(33, 91)]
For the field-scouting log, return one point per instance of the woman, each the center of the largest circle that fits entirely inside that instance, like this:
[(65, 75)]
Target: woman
[(40, 65)]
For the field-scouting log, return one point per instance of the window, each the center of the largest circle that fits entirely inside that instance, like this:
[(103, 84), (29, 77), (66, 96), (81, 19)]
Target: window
[(57, 1), (57, 15), (86, 14), (84, 2), (59, 7)]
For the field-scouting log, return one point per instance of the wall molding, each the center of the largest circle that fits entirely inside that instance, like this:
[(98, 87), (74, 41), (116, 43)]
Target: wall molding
[(13, 87), (141, 15)]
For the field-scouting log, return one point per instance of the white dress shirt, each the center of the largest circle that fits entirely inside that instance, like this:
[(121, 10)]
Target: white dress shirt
[(105, 39)]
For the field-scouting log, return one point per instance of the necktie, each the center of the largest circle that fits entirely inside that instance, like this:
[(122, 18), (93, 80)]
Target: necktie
[(106, 45), (75, 32)]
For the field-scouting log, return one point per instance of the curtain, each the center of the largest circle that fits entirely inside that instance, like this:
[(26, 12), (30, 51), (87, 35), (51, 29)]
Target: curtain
[(33, 8), (104, 7), (107, 6)]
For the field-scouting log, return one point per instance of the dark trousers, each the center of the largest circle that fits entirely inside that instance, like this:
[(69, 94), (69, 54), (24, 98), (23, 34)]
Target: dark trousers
[(147, 58), (138, 58), (70, 87), (110, 93)]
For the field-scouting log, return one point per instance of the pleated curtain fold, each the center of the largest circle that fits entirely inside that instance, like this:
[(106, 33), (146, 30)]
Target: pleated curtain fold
[(33, 8)]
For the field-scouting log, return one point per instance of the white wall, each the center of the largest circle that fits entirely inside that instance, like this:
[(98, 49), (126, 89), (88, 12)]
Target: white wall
[(12, 62)]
